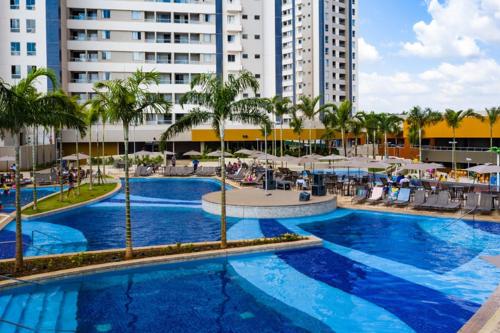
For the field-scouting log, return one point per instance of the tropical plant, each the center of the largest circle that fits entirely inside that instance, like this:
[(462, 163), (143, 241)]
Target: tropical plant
[(215, 101), (355, 128), (492, 115), (22, 106), (417, 119), (388, 123), (371, 124), (454, 119), (125, 101), (338, 118), (297, 125), (281, 107), (310, 108)]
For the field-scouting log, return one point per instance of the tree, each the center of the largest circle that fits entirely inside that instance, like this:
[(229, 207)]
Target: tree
[(356, 128), (388, 123), (215, 101), (454, 119), (125, 101), (338, 119), (281, 107), (21, 107), (417, 119), (297, 125), (91, 117), (310, 109), (492, 116), (371, 123)]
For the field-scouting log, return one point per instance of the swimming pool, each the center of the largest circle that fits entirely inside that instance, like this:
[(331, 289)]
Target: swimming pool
[(9, 200), (377, 272)]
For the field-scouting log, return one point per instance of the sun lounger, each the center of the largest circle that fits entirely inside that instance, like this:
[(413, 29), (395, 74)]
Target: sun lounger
[(360, 196), (471, 202), (431, 202), (403, 197), (392, 196), (205, 171), (444, 203), (376, 196), (256, 182), (418, 199), (43, 178), (485, 203)]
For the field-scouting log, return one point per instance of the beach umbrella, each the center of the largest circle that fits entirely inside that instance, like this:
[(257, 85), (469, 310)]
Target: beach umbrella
[(484, 168), (218, 153), (422, 166), (396, 160), (247, 152), (192, 153), (168, 153), (144, 153), (333, 157), (74, 157)]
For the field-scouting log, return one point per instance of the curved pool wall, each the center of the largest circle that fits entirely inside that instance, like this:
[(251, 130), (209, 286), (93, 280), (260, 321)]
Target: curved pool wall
[(9, 200)]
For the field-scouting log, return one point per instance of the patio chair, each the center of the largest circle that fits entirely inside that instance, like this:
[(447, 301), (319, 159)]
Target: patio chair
[(283, 184), (471, 202), (418, 199), (403, 197), (392, 196), (376, 196), (444, 203), (431, 202), (485, 203), (360, 196), (256, 182)]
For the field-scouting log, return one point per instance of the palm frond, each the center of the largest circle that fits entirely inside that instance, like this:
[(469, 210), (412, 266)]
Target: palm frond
[(194, 118)]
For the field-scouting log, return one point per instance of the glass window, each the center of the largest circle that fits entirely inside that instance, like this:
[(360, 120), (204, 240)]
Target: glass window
[(106, 55), (136, 35), (106, 34), (30, 26), (106, 13), (138, 56), (31, 68), (15, 48), (30, 4), (15, 25), (136, 15), (231, 58), (231, 38), (15, 71), (14, 4), (31, 48)]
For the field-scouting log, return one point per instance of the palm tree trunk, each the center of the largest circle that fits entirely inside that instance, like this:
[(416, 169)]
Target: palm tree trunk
[(19, 231), (90, 158), (103, 163), (385, 144), (128, 225), (77, 165), (420, 144), (310, 140), (33, 165), (454, 163), (356, 145), (344, 143), (491, 135), (281, 137), (373, 144), (223, 236), (61, 183)]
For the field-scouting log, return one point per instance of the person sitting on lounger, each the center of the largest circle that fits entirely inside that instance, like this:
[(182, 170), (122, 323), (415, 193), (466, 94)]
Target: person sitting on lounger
[(404, 180), (399, 178)]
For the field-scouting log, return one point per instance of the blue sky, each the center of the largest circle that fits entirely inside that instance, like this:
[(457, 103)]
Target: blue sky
[(437, 53)]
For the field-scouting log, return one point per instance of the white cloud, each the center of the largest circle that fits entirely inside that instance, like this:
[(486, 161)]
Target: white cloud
[(456, 29), (367, 52), (473, 84)]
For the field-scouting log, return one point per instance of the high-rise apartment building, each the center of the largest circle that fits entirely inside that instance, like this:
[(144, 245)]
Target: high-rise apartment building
[(293, 47)]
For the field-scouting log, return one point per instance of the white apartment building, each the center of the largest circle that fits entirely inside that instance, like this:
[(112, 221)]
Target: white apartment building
[(293, 47)]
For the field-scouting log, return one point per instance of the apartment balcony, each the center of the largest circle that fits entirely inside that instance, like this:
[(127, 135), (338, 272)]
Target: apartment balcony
[(234, 7)]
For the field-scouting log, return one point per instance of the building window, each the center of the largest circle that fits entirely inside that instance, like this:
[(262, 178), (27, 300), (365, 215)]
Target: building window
[(138, 56), (231, 19), (231, 38), (245, 55), (14, 25), (231, 58), (257, 56), (106, 34), (30, 4), (136, 35), (14, 4), (15, 71), (257, 36), (31, 68), (31, 48), (15, 48), (244, 36), (136, 15), (106, 13), (106, 55), (30, 26)]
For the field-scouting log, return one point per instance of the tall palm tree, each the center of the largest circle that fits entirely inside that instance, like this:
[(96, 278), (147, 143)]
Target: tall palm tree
[(125, 101), (454, 120), (388, 123), (216, 102), (418, 118), (18, 110), (371, 124), (297, 125), (356, 128), (281, 107), (492, 115), (338, 119), (310, 108), (91, 117)]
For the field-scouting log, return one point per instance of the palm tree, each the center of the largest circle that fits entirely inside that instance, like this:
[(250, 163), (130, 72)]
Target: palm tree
[(418, 119), (310, 109), (492, 116), (297, 125), (454, 120), (281, 107), (356, 128), (338, 119), (215, 102), (125, 101), (19, 109), (91, 117), (371, 123), (388, 123)]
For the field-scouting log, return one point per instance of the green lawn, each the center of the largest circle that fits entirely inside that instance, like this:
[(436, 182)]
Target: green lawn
[(85, 195)]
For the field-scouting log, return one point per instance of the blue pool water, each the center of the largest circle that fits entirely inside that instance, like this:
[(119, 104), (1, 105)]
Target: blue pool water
[(9, 200), (376, 272)]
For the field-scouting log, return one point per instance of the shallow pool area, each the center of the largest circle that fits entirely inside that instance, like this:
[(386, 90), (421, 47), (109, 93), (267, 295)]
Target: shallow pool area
[(9, 199), (376, 271)]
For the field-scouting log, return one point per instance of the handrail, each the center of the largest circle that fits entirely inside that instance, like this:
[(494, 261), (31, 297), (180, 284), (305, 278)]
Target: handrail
[(33, 246), (5, 277), (461, 217), (45, 234), (33, 329)]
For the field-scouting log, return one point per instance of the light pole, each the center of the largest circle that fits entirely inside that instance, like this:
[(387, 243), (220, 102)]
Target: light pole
[(453, 162)]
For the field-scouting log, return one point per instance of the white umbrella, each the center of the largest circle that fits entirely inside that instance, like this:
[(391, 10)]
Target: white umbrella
[(74, 157), (484, 168), (333, 157), (396, 160), (168, 153), (218, 153), (268, 157), (422, 166), (247, 152), (192, 153)]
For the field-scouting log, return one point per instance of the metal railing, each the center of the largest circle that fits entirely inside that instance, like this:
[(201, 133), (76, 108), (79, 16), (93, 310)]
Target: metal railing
[(31, 329), (461, 217), (450, 148), (34, 232)]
